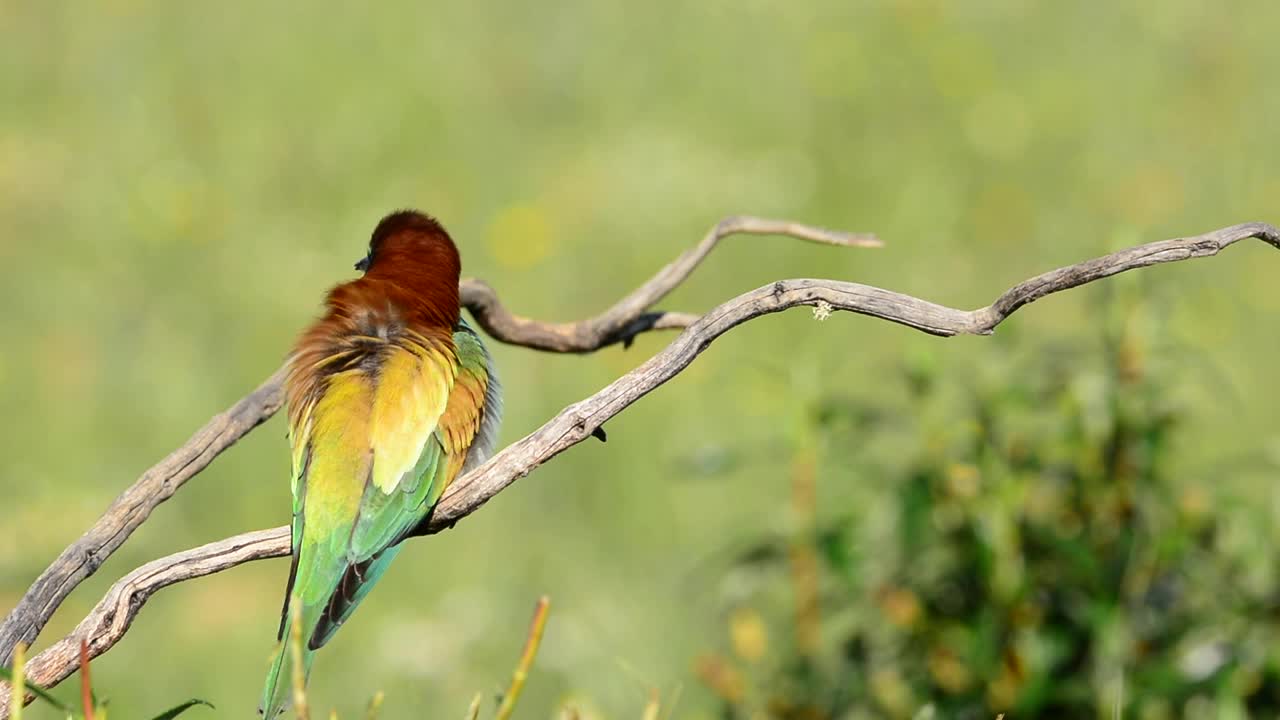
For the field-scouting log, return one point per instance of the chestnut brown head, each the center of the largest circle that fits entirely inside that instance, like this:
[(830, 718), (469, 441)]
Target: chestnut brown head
[(412, 263), (410, 242)]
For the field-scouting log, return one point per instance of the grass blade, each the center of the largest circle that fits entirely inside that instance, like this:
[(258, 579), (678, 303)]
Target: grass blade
[(17, 677), (86, 685), (18, 697), (652, 707), (473, 712), (174, 712), (299, 677), (526, 659)]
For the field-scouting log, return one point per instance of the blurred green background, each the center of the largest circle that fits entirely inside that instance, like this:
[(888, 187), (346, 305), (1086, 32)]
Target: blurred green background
[(179, 184)]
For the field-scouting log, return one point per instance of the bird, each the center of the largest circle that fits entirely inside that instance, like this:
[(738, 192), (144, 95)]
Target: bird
[(390, 395)]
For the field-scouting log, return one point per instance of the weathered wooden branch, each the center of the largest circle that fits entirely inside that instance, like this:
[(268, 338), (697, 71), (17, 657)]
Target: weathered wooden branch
[(630, 316), (619, 323), (110, 619)]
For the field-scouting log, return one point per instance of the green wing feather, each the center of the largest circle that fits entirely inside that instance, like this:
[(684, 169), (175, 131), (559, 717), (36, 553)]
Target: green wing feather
[(455, 439)]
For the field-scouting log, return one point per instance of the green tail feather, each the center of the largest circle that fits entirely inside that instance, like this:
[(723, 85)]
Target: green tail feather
[(278, 692), (319, 622), (351, 590)]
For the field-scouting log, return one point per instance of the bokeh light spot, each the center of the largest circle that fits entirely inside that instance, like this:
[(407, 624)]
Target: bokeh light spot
[(521, 236)]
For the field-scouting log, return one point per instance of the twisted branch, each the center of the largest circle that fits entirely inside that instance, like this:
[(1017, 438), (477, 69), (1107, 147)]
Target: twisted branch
[(110, 619), (620, 323), (629, 317)]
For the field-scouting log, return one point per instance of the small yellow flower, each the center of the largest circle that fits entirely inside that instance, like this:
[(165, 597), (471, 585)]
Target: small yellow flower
[(749, 635)]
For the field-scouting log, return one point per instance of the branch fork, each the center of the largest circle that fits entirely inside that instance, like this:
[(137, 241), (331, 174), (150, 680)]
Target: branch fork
[(109, 621)]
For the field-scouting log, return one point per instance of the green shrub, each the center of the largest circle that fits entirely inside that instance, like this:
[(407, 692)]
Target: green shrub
[(1026, 545)]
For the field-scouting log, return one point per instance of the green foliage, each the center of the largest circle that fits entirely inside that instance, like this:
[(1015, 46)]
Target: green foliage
[(1039, 554), (94, 708), (36, 690), (181, 708)]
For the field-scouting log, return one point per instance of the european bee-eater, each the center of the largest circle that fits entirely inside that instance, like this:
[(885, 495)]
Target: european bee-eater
[(390, 396)]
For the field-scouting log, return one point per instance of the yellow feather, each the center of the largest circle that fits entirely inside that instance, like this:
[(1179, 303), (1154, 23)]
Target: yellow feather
[(413, 387), (340, 429)]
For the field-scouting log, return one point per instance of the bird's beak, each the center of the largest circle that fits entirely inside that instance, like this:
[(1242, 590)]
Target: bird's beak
[(363, 264)]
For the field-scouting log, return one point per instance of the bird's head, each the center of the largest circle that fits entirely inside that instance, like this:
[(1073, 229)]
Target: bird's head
[(412, 260), (410, 242)]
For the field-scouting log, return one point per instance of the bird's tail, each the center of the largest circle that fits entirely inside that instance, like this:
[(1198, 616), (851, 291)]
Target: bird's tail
[(329, 594), (278, 691)]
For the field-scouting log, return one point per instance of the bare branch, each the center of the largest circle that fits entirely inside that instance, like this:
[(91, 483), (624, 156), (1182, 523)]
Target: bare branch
[(130, 510), (628, 317), (576, 422), (620, 323), (109, 620)]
